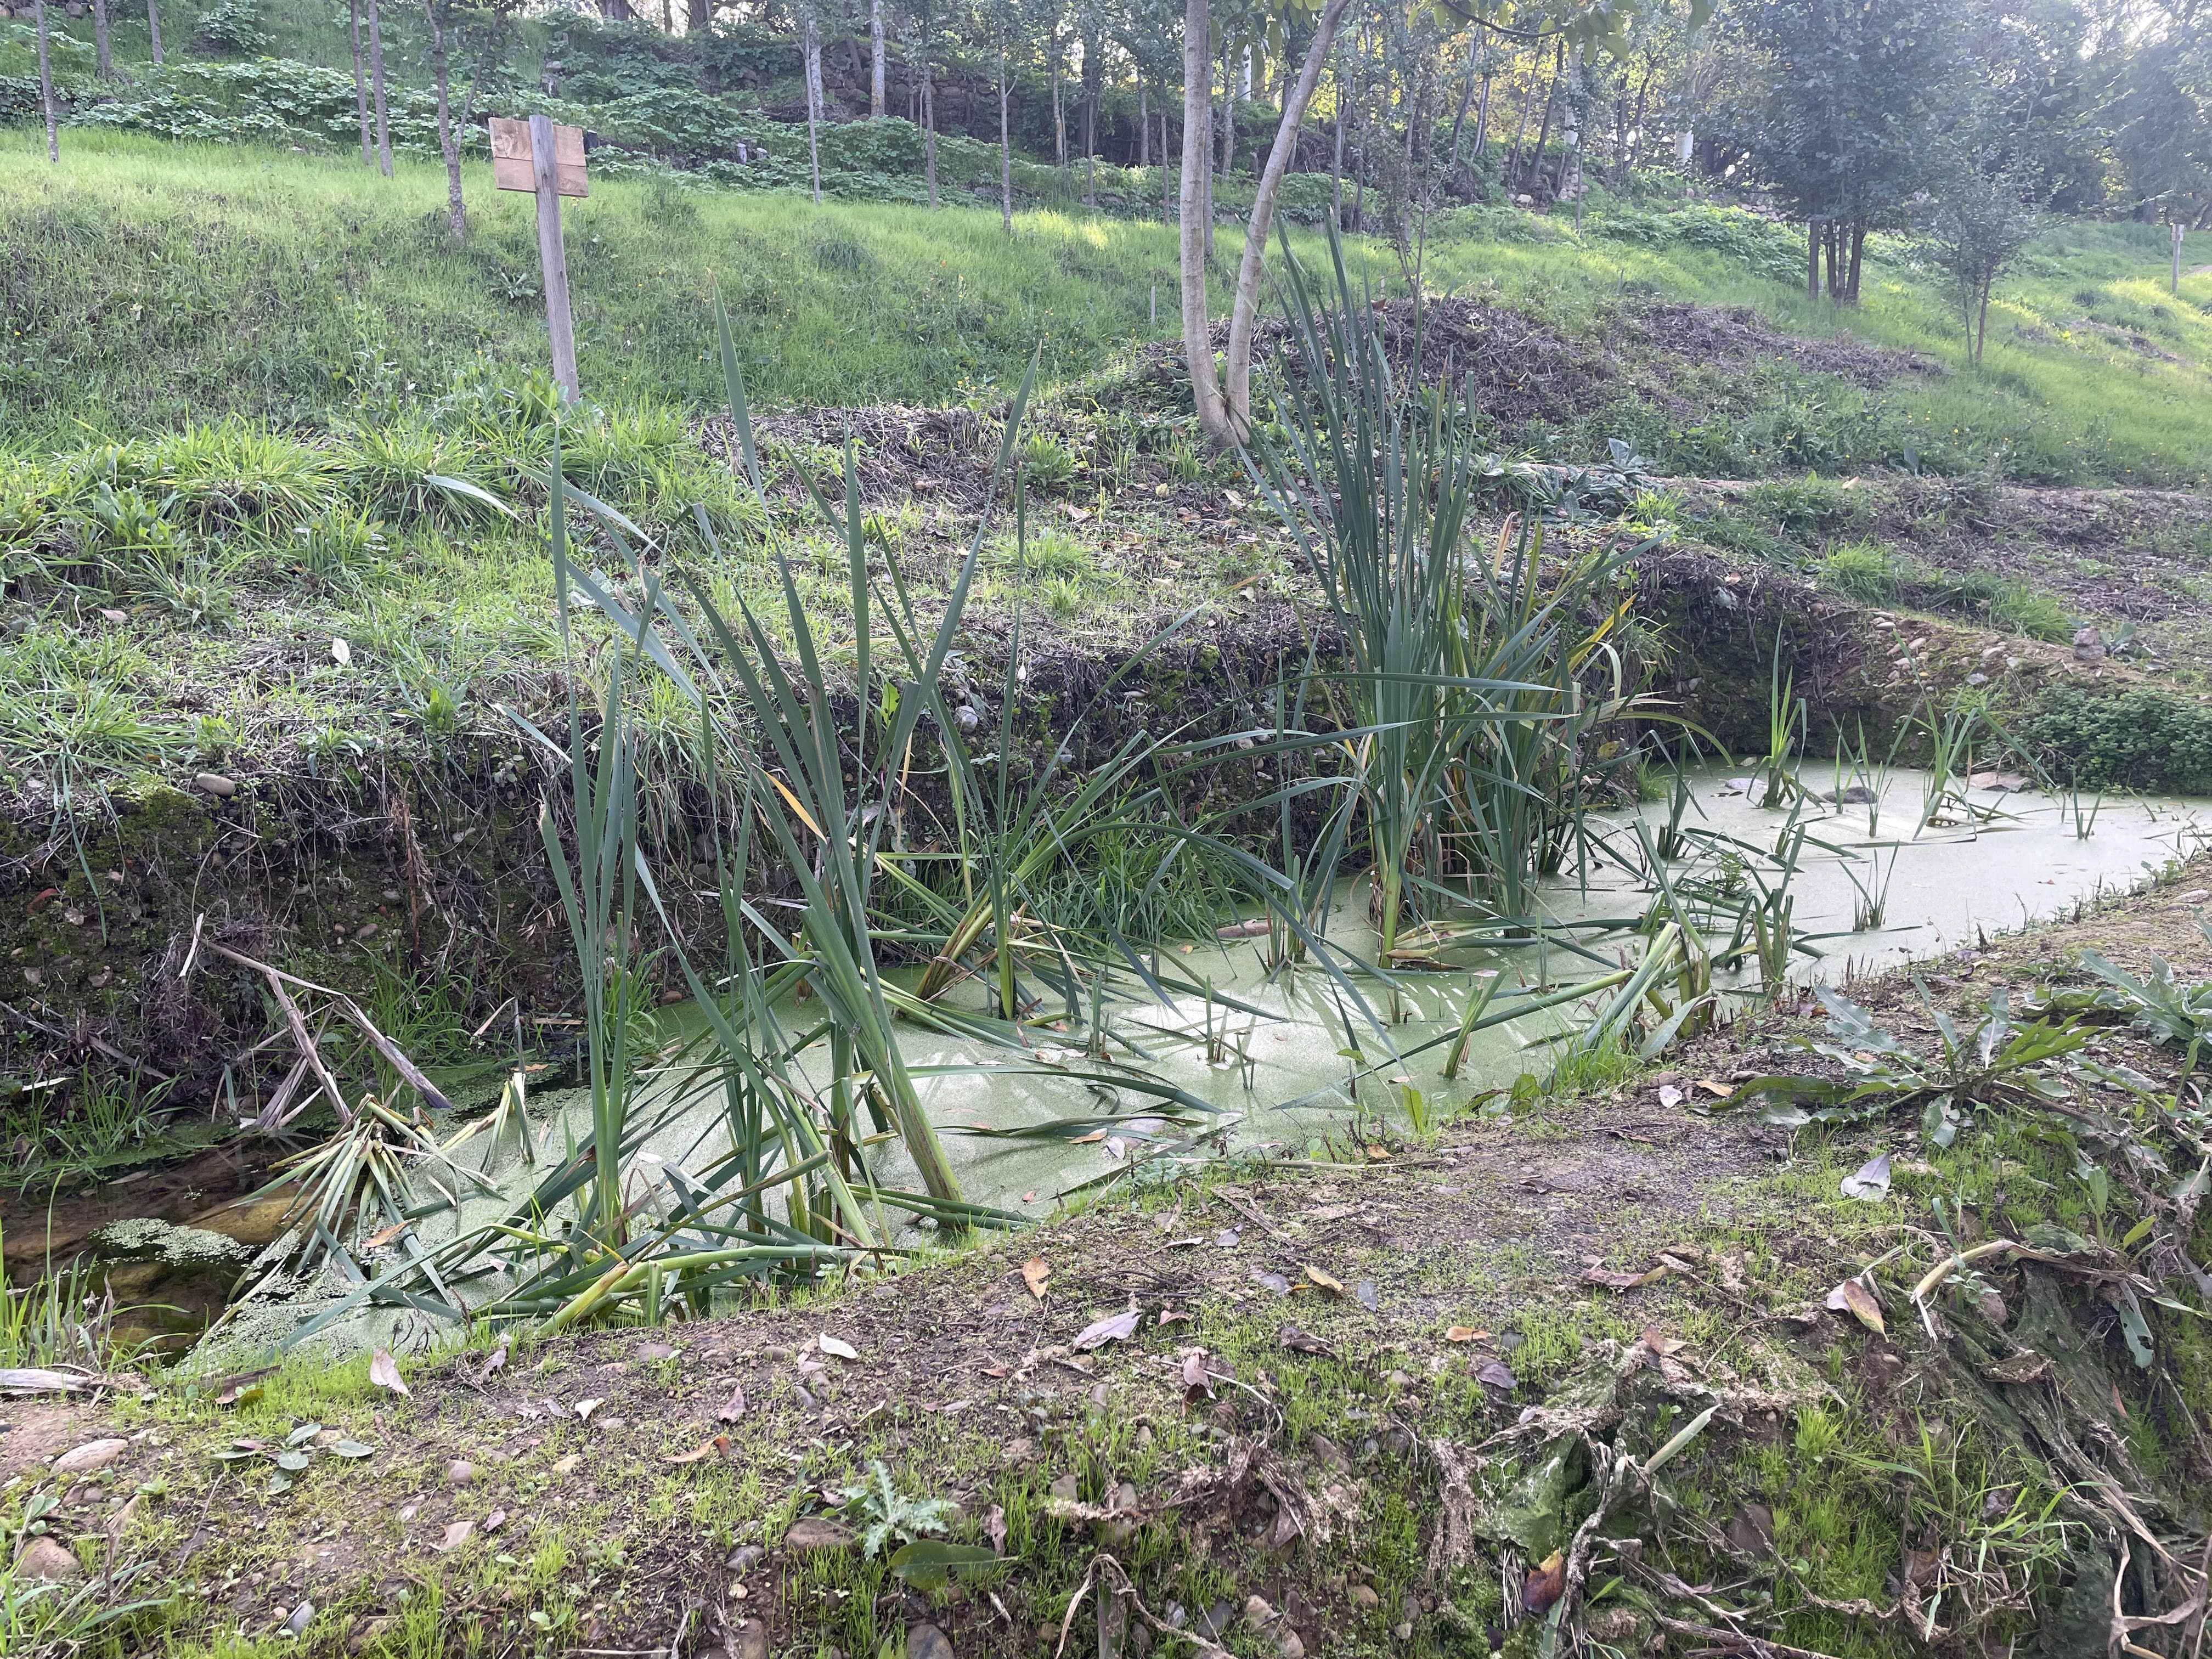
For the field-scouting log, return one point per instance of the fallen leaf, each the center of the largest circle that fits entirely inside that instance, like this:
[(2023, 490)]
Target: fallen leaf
[(1545, 1586), (1492, 1373), (384, 1236), (1613, 1280), (1659, 1343), (1327, 1282), (493, 1366), (1299, 1342), (342, 651), (1869, 1182), (703, 1451), (1853, 1297), (569, 1465), (1227, 1238), (994, 1524), (734, 1407), (1195, 1381), (457, 1533), (1718, 1091), (1174, 1317), (1669, 1095), (830, 1345), (1037, 1273), (1119, 1328), (1364, 1293), (1465, 1333), (384, 1372), (1275, 1282), (586, 1407), (495, 1521), (352, 1448)]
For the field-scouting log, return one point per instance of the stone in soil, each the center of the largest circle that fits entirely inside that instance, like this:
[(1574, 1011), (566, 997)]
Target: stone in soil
[(47, 1561), (815, 1531), (93, 1454), (926, 1642)]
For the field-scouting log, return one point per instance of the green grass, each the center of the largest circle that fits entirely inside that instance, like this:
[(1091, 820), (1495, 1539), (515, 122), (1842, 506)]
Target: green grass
[(150, 283)]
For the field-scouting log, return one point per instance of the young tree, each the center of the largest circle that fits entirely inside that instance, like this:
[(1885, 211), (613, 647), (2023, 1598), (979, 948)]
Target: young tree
[(376, 87), (46, 83), (154, 29), (361, 89), (103, 59), (456, 218), (810, 32), (875, 59), (1977, 219)]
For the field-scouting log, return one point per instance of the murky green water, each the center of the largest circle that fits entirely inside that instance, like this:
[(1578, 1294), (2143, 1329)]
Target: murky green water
[(1276, 1071)]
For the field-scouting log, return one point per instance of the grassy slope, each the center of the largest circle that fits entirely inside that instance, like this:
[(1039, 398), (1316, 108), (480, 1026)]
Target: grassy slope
[(150, 284)]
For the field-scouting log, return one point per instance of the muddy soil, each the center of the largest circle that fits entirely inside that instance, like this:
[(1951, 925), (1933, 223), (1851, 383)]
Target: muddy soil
[(1358, 1319)]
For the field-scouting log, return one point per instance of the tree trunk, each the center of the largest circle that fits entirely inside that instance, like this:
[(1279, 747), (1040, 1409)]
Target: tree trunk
[(1575, 117), (376, 87), (1551, 100), (1852, 270), (1482, 121), (1167, 175), (1144, 127), (876, 60), (810, 46), (1812, 258), (1244, 306), (1005, 153), (699, 16), (928, 122), (1336, 167), (361, 91), (1059, 113), (456, 219), (1228, 114), (1197, 162), (46, 84), (154, 29), (1636, 129), (1520, 132), (103, 63), (1466, 95)]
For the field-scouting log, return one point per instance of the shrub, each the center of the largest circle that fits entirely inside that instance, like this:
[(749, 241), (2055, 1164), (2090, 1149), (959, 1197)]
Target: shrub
[(2139, 739)]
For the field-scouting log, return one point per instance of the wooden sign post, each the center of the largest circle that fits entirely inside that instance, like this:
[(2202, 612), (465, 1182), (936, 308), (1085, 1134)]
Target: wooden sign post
[(548, 162)]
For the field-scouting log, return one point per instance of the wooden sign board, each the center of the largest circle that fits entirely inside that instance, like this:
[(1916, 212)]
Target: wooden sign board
[(512, 161)]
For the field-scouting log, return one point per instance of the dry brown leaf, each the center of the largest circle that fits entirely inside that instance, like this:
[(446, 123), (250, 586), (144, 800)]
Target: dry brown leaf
[(495, 1521), (1615, 1281), (734, 1407), (1853, 1297), (457, 1533), (1659, 1343), (586, 1407), (703, 1451), (384, 1236), (1327, 1282), (1036, 1274), (384, 1371), (830, 1345), (1718, 1091), (1545, 1586), (1299, 1342), (1465, 1333)]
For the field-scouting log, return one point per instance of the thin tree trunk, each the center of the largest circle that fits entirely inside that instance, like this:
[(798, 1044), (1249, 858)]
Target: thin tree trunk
[(1167, 176), (361, 91), (1005, 153), (1466, 95), (1144, 127), (928, 122), (1244, 306), (154, 29), (1852, 269), (1551, 99), (810, 45), (103, 63), (456, 219), (1812, 258), (876, 58), (1521, 131), (1059, 113), (699, 18), (46, 84), (376, 87), (1336, 168), (1197, 162), (1228, 114), (1635, 130), (1482, 121)]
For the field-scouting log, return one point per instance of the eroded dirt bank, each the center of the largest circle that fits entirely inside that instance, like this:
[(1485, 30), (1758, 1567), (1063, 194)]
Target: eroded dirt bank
[(1365, 1397)]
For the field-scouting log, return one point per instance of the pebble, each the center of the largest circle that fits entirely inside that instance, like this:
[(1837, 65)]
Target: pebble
[(459, 1473), (214, 783), (743, 1558), (93, 1454), (1364, 1595), (814, 1532), (1064, 1487), (47, 1561), (1404, 1631), (926, 1642), (302, 1616), (750, 1641)]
